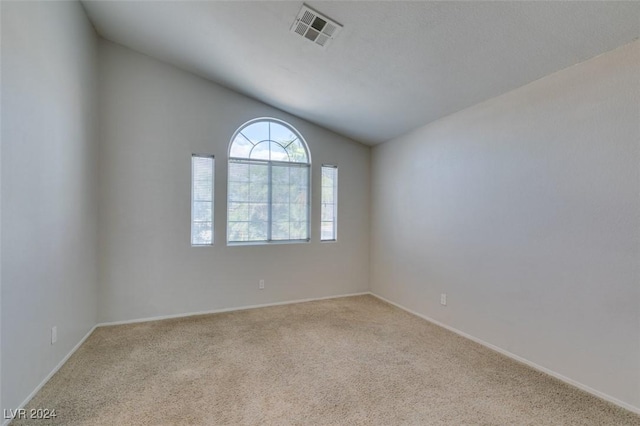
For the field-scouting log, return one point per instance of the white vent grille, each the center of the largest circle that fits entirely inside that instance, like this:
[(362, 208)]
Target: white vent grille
[(315, 27)]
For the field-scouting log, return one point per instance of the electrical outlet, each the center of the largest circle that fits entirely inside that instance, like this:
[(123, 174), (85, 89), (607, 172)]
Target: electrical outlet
[(261, 285), (54, 334), (443, 299)]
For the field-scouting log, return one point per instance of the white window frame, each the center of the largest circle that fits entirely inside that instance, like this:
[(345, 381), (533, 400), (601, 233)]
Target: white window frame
[(213, 203), (270, 164), (335, 203)]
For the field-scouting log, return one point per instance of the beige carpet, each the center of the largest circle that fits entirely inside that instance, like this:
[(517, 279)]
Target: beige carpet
[(344, 361)]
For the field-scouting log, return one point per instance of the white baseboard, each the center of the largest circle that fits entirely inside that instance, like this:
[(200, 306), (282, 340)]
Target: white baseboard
[(525, 361), (264, 305), (54, 371), (189, 314), (217, 311)]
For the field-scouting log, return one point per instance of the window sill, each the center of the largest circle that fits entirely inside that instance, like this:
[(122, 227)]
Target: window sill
[(265, 243)]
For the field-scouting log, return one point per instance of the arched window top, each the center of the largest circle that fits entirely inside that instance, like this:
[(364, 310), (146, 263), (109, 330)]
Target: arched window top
[(269, 139)]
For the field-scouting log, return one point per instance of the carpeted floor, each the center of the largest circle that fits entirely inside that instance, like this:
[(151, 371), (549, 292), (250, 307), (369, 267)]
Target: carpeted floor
[(349, 361)]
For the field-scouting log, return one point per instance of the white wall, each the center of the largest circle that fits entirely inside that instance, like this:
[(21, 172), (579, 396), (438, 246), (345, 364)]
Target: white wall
[(153, 117), (524, 210), (49, 202)]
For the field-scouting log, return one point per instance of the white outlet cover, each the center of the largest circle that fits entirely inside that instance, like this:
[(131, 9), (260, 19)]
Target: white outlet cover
[(54, 334), (443, 299)]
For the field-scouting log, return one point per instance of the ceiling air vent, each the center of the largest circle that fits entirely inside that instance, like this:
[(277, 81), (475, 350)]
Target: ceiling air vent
[(315, 27)]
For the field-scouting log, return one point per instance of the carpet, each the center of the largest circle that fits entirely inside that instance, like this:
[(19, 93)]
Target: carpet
[(347, 361)]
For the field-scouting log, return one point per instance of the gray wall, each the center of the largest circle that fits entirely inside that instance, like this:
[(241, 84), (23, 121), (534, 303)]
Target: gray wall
[(524, 210), (153, 117), (49, 202)]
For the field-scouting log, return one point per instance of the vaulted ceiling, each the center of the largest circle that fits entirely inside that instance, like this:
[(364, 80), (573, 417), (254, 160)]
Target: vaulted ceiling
[(394, 66)]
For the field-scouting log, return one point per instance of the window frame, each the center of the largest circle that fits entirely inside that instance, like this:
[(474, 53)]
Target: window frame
[(270, 163), (213, 199), (335, 203)]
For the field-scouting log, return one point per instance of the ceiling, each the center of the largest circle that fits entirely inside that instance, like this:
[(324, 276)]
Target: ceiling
[(394, 66)]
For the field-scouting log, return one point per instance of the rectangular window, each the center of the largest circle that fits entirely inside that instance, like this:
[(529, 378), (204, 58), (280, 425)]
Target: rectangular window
[(268, 201), (329, 214), (202, 178)]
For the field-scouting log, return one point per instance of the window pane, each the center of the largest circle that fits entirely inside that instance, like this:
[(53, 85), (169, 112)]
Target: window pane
[(238, 212), (299, 175), (298, 230), (238, 172), (297, 152), (248, 202), (201, 233), (297, 212), (278, 153), (238, 191), (327, 212), (258, 192), (327, 176), (238, 231), (202, 168), (281, 134), (280, 193), (202, 190), (298, 195), (259, 173), (327, 194), (290, 202), (257, 132), (280, 231), (241, 147), (328, 231), (258, 183), (258, 212), (258, 231), (280, 212), (280, 175), (260, 151), (202, 211)]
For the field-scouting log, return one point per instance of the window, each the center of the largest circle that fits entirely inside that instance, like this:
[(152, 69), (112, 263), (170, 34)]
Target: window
[(268, 195), (329, 215), (202, 167)]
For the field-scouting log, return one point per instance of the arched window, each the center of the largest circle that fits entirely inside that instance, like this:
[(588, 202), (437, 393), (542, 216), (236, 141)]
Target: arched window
[(268, 193)]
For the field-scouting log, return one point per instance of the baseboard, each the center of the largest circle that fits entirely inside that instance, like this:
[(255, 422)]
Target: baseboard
[(217, 311), (189, 314), (264, 305), (515, 357), (54, 371)]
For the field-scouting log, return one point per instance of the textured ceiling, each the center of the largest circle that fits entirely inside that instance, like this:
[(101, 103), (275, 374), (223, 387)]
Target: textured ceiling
[(394, 67)]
